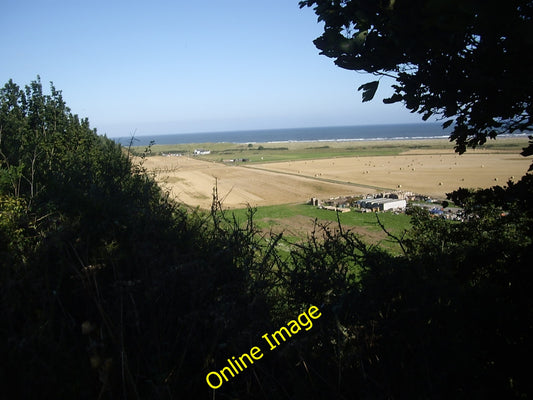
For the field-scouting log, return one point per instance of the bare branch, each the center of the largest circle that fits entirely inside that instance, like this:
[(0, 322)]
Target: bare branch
[(394, 237)]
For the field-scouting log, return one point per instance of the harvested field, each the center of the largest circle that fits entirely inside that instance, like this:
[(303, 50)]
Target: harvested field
[(432, 172), (192, 181)]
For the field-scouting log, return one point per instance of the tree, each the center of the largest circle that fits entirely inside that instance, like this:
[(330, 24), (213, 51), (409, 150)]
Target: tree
[(467, 62), (109, 288), (452, 316)]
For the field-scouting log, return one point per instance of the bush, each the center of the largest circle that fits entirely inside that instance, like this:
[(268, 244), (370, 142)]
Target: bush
[(110, 289)]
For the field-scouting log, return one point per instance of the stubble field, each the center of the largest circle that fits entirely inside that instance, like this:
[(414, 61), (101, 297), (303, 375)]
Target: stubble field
[(432, 169)]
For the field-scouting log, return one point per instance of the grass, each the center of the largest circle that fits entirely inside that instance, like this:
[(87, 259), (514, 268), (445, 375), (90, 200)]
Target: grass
[(271, 153), (394, 222), (297, 220), (293, 151)]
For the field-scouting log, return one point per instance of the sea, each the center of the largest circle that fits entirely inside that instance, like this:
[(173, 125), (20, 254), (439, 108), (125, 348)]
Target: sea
[(317, 134)]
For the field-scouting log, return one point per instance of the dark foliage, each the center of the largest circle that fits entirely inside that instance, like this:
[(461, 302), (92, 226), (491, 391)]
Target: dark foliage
[(466, 62), (111, 290)]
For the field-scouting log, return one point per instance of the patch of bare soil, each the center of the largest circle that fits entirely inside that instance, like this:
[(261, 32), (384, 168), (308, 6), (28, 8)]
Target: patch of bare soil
[(301, 226)]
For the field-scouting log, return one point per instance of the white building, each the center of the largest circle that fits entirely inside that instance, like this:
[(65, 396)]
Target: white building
[(201, 152), (383, 204)]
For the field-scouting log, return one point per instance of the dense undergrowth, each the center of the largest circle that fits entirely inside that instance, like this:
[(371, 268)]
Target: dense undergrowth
[(109, 289)]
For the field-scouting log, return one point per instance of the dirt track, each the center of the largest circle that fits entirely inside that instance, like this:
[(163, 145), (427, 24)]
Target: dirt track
[(434, 173)]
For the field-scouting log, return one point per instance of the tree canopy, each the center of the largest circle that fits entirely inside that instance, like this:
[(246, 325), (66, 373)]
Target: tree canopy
[(468, 63)]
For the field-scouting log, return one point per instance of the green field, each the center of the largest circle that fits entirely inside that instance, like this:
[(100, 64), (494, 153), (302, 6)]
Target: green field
[(297, 221), (277, 152)]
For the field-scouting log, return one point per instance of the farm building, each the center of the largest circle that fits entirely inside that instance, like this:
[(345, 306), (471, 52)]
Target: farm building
[(201, 152), (383, 204)]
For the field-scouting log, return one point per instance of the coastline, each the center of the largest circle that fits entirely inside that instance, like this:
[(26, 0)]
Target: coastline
[(340, 140), (325, 133)]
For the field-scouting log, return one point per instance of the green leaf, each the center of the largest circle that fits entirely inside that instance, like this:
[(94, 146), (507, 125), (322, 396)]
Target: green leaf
[(369, 90)]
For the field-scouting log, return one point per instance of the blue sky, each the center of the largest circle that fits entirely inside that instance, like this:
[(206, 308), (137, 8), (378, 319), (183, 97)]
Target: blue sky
[(163, 67)]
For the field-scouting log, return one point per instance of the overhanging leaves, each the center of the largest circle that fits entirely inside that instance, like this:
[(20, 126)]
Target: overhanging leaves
[(447, 124), (393, 99), (449, 58), (369, 90)]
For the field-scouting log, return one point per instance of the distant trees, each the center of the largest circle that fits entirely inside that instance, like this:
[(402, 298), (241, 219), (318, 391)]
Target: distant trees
[(466, 62)]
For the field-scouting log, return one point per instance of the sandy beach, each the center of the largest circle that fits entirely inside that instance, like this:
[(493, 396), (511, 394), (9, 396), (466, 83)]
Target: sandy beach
[(432, 172)]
